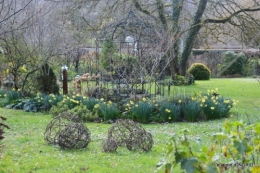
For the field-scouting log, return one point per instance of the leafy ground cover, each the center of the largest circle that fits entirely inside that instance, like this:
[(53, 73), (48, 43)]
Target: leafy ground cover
[(26, 151)]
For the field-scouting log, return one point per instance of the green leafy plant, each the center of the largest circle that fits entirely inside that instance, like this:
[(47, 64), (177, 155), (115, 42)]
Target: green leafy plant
[(182, 80), (59, 108), (81, 111), (235, 149), (199, 71)]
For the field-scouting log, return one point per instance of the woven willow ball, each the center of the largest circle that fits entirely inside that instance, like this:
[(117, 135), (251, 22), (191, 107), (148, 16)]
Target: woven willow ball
[(74, 136), (58, 124), (139, 139), (121, 130), (109, 145), (71, 117)]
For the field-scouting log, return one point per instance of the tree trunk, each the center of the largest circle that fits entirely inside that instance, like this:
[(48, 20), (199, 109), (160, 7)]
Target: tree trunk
[(175, 52), (161, 13), (191, 36), (15, 74)]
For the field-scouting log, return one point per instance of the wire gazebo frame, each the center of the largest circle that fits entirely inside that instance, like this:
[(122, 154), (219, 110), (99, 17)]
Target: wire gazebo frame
[(129, 74)]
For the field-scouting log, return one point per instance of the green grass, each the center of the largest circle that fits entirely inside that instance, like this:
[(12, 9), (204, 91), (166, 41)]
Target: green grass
[(26, 151)]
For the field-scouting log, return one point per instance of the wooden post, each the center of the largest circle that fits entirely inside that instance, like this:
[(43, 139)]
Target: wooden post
[(65, 81)]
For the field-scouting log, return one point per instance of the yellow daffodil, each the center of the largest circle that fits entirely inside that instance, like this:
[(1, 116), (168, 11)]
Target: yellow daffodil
[(167, 110), (96, 106), (226, 101)]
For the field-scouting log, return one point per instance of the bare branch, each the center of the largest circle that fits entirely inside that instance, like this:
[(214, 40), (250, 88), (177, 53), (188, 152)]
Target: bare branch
[(227, 19)]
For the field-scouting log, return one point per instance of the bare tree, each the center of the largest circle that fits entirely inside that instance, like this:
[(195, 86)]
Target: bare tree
[(10, 10), (27, 41), (187, 19)]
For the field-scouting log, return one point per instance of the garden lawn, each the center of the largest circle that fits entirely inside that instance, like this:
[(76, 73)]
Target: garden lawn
[(26, 151)]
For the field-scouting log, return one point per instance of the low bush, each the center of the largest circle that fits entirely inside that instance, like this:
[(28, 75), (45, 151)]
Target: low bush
[(182, 80), (59, 108), (199, 71), (84, 113)]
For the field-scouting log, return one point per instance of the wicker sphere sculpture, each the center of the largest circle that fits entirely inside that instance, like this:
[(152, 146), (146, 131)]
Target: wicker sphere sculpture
[(109, 145), (121, 130), (57, 124), (139, 139), (132, 135), (74, 136)]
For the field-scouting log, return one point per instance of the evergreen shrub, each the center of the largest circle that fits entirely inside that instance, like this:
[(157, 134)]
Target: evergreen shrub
[(199, 71), (47, 81), (238, 67)]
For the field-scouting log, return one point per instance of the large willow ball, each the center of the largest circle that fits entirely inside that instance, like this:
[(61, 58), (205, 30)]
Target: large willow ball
[(74, 136), (57, 124), (109, 145), (139, 139), (121, 130)]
